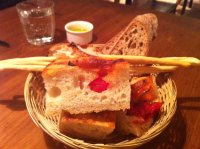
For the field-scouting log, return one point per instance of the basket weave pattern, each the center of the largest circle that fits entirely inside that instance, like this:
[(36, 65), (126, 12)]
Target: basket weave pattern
[(35, 101)]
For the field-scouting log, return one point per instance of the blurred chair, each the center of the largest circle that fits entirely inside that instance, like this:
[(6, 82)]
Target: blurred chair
[(127, 2), (168, 6), (185, 3), (8, 3)]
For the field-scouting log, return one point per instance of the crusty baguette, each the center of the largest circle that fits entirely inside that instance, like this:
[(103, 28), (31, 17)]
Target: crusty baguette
[(93, 126), (135, 39)]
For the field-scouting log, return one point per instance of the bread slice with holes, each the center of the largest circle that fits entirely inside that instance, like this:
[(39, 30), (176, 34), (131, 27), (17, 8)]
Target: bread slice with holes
[(86, 85), (135, 38)]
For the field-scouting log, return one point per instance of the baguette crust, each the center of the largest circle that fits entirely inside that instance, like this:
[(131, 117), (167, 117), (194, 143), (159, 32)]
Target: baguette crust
[(135, 39), (150, 22)]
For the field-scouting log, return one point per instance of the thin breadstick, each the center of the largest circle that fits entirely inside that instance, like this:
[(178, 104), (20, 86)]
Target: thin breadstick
[(133, 69), (170, 61), (146, 60), (29, 63), (29, 59), (151, 69), (193, 60), (23, 67), (39, 63), (25, 63), (176, 61)]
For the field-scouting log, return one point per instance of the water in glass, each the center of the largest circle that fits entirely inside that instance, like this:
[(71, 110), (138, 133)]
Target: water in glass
[(39, 25)]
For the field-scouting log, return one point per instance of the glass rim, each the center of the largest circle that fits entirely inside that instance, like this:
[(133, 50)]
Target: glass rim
[(34, 4)]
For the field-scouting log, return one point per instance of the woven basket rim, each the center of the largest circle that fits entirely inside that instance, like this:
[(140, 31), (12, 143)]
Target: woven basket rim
[(76, 143)]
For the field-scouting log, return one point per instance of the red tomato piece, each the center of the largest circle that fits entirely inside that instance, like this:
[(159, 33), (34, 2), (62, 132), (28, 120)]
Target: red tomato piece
[(144, 109), (98, 85)]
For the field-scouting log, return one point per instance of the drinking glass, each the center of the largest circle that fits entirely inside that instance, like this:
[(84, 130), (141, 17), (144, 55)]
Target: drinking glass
[(38, 20)]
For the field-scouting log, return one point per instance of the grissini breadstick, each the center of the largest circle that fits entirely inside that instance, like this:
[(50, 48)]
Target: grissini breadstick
[(29, 59), (193, 60), (151, 69), (39, 63), (22, 67), (24, 63), (29, 63), (169, 61), (151, 60), (134, 69)]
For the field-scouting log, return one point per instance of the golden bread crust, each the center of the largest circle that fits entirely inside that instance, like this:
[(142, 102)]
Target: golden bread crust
[(96, 126)]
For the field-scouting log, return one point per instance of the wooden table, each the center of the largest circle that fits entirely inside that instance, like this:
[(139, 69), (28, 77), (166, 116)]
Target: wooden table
[(177, 36)]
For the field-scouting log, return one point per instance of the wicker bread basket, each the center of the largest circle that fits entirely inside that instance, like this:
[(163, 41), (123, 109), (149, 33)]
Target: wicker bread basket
[(35, 101)]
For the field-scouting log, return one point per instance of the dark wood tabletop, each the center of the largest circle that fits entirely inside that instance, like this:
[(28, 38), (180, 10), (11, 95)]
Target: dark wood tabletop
[(177, 36)]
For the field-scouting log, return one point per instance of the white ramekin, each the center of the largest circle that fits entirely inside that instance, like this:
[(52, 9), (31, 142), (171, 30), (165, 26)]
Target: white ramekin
[(81, 38)]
